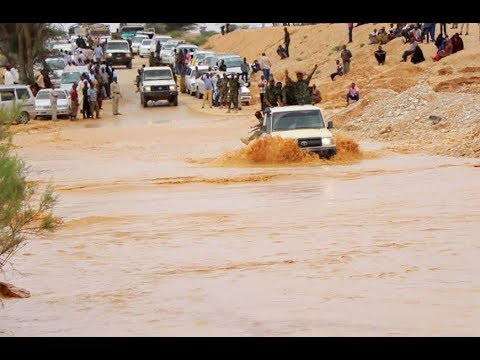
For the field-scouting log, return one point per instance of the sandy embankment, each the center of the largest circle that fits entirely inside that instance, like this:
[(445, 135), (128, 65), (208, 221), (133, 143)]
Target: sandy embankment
[(397, 99)]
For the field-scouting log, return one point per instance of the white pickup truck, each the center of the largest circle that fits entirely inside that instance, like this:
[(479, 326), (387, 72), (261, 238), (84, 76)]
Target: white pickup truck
[(158, 83), (305, 123)]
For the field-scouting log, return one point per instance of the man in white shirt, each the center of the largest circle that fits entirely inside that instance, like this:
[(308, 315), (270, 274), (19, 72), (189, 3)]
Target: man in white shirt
[(98, 53), (15, 74), (265, 65), (8, 78)]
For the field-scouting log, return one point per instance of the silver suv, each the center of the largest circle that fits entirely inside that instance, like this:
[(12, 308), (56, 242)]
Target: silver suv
[(20, 94)]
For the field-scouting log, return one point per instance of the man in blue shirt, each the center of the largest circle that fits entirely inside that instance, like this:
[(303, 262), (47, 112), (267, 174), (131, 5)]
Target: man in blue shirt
[(207, 96)]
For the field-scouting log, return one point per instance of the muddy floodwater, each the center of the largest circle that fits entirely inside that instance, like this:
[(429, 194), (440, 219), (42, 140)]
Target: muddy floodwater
[(159, 239)]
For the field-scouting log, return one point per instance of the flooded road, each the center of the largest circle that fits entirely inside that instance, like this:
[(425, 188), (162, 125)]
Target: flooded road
[(157, 242)]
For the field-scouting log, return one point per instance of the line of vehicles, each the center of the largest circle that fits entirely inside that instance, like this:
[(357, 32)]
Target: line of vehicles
[(31, 106)]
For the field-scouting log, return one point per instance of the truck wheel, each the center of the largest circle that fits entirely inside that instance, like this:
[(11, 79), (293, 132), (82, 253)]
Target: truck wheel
[(197, 94), (143, 101), (129, 65), (175, 101)]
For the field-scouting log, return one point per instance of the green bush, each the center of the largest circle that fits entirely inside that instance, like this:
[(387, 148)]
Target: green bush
[(337, 48), (203, 37), (24, 211), (176, 34)]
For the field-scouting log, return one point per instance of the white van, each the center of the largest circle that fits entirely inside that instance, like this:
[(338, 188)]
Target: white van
[(20, 94)]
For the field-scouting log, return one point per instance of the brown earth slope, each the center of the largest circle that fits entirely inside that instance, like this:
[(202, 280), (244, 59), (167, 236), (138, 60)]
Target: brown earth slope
[(397, 99)]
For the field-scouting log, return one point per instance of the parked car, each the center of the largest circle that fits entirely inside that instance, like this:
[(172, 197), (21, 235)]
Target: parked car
[(137, 41), (118, 53), (56, 65), (200, 55), (144, 49), (194, 72), (71, 76), (210, 60), (233, 63), (63, 47), (245, 97), (18, 94), (43, 106), (305, 123), (168, 50), (189, 47), (163, 38)]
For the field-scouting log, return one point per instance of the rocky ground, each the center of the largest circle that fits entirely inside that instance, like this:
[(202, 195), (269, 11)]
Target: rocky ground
[(418, 119)]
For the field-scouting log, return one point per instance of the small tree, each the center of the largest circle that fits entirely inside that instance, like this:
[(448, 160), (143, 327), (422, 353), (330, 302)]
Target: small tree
[(24, 212)]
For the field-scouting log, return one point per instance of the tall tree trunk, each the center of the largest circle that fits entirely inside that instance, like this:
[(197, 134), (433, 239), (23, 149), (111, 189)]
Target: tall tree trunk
[(21, 51), (28, 45)]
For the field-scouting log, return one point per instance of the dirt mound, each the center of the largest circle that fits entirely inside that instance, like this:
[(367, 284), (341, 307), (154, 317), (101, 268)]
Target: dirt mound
[(460, 84), (470, 69)]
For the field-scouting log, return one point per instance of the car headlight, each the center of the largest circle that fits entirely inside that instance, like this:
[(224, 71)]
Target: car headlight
[(172, 87), (328, 141), (147, 88), (109, 54), (128, 54)]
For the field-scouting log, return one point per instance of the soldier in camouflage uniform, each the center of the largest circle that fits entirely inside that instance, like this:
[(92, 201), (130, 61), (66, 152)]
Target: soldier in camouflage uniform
[(233, 87), (302, 93), (273, 96), (223, 91), (288, 93)]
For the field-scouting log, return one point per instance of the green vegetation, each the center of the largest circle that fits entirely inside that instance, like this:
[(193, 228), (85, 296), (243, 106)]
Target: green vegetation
[(337, 48), (23, 42), (24, 211), (203, 37), (167, 28), (176, 34)]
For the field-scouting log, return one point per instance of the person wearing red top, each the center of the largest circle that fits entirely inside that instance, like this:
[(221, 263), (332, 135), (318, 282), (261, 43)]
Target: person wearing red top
[(73, 102)]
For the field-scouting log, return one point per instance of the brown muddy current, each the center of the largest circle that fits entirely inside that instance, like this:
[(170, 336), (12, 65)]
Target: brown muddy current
[(173, 227)]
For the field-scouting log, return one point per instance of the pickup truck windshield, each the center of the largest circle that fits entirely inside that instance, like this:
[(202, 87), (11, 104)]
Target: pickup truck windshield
[(132, 29), (301, 119), (232, 62), (111, 46), (152, 75)]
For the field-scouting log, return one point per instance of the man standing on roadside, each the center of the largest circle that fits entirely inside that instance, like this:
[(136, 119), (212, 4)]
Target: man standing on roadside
[(53, 104), (7, 76), (15, 74), (98, 54), (286, 40), (233, 87), (245, 69), (208, 90), (265, 65), (346, 56), (350, 32), (116, 95)]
